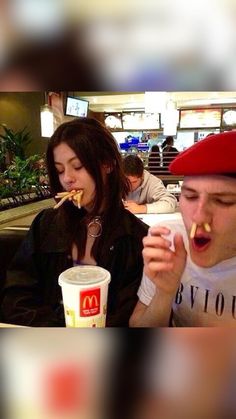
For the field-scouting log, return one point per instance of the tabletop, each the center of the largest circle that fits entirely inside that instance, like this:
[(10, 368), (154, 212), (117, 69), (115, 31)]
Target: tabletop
[(151, 219), (7, 325)]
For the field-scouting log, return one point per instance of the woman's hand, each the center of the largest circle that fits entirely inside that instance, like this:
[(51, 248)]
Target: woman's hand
[(162, 265)]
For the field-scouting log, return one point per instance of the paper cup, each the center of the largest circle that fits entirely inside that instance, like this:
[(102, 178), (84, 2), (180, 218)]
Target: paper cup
[(84, 293)]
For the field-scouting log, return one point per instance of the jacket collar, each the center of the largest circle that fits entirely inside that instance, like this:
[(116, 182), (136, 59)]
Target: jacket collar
[(55, 237)]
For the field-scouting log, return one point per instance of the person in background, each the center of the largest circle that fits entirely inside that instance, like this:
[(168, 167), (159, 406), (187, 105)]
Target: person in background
[(147, 194), (189, 272), (152, 139), (169, 152), (82, 155), (154, 160)]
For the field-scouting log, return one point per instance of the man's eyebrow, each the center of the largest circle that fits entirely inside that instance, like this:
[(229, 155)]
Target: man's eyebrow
[(223, 193), (187, 189)]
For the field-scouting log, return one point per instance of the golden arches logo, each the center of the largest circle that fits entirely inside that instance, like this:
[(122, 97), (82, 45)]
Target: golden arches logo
[(90, 301)]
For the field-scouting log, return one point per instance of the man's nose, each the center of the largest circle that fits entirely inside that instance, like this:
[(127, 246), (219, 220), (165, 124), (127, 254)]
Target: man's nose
[(202, 213)]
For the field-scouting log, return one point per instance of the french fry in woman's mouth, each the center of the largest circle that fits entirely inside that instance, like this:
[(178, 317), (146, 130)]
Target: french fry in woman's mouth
[(193, 230), (77, 197), (72, 195), (62, 194)]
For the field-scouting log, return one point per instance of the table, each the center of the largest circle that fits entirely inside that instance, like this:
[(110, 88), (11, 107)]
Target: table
[(151, 219), (7, 325)]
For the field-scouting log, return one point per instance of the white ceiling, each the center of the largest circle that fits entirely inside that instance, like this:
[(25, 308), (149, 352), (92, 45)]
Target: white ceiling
[(118, 101)]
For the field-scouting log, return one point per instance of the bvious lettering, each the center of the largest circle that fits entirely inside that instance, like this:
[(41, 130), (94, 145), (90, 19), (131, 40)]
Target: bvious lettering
[(206, 300), (90, 302)]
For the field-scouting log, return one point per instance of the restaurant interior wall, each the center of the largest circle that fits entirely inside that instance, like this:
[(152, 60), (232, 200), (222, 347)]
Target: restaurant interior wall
[(19, 109), (22, 109)]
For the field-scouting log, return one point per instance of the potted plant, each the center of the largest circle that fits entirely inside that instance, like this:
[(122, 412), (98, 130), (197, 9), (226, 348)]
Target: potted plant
[(13, 143), (23, 179)]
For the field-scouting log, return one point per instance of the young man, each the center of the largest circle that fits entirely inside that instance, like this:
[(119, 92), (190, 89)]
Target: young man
[(147, 192), (190, 267)]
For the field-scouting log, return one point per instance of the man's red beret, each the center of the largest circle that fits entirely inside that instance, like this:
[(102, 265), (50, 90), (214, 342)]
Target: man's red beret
[(214, 155)]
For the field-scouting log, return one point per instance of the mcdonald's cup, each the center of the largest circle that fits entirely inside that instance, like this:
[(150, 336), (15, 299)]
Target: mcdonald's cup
[(84, 293)]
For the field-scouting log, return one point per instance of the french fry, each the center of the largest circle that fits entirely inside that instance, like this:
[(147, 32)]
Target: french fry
[(207, 227), (193, 230), (77, 197), (60, 203), (72, 195), (61, 194)]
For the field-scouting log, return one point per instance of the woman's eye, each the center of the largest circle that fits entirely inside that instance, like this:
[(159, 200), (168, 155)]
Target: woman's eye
[(78, 167)]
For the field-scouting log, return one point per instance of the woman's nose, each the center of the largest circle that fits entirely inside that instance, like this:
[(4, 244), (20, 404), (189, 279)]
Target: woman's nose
[(69, 176)]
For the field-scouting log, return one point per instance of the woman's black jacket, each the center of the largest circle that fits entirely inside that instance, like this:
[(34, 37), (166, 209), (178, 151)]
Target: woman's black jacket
[(32, 296)]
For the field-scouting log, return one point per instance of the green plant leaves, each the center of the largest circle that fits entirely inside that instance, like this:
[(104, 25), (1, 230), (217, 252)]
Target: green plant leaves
[(19, 174), (14, 142)]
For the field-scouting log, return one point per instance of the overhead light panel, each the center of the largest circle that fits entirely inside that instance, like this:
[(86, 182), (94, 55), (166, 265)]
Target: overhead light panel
[(47, 121), (155, 102)]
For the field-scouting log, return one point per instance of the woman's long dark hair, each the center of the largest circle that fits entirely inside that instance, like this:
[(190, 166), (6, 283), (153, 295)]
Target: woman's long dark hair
[(95, 146)]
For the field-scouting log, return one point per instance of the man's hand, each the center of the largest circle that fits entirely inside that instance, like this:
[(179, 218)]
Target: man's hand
[(163, 266), (135, 208)]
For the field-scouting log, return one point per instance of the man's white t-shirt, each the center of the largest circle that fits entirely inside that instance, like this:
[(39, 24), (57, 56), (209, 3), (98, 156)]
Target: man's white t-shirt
[(206, 296)]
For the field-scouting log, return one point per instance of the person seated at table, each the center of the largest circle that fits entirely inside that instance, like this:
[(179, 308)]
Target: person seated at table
[(154, 160), (169, 152), (82, 155), (147, 193), (189, 266)]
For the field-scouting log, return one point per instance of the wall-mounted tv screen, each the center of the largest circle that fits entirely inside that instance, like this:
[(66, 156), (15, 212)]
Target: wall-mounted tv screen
[(113, 120), (76, 107), (229, 117), (200, 118), (140, 120)]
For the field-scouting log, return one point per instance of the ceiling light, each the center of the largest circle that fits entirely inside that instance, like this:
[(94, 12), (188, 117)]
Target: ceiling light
[(155, 102), (47, 121)]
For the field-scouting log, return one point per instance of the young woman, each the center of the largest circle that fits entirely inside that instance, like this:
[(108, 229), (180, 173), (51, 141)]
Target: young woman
[(82, 155)]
